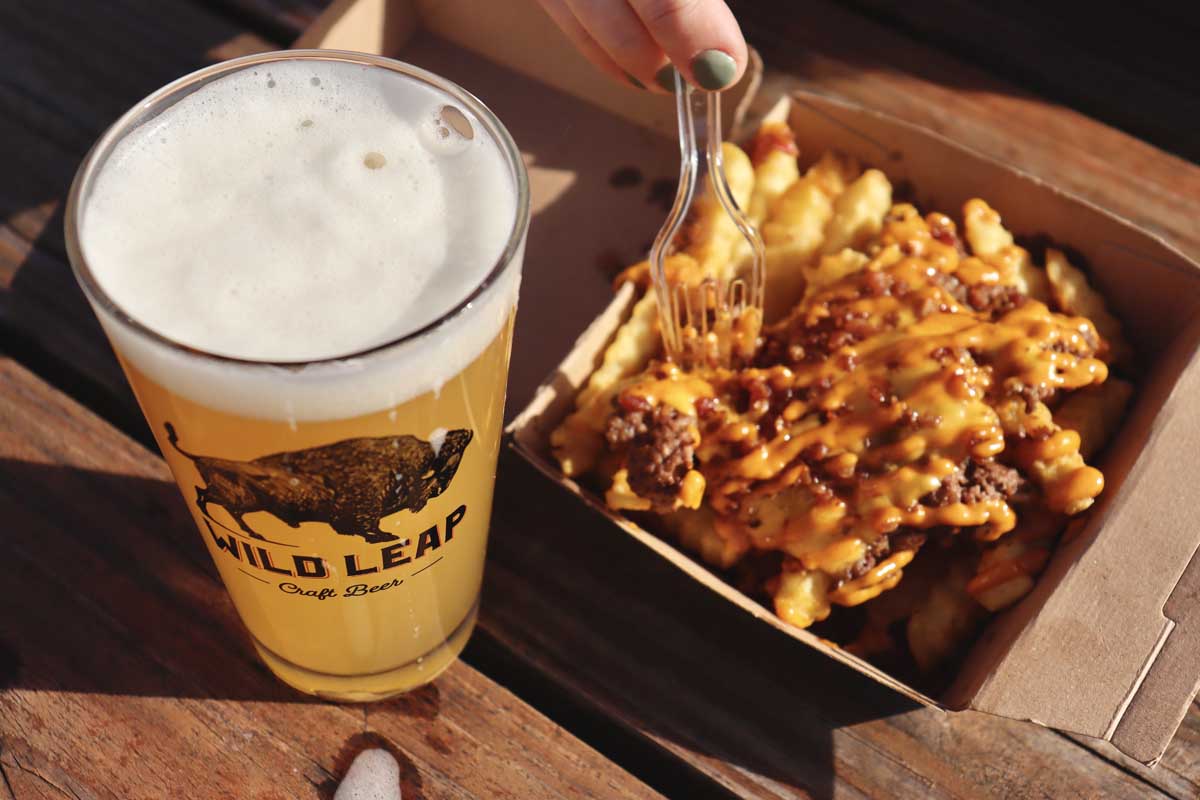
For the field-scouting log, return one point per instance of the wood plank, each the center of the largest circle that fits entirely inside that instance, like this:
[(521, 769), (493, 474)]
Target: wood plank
[(67, 71), (126, 673), (1178, 774), (821, 730), (1132, 70), (280, 20)]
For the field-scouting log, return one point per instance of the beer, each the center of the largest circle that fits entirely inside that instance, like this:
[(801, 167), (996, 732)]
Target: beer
[(308, 265)]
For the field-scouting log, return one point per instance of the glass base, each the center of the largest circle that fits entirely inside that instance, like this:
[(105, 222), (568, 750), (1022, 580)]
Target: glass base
[(377, 685)]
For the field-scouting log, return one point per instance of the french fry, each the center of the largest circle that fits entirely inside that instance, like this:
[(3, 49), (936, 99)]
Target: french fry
[(1021, 420), (1049, 455), (893, 606), (799, 217), (1075, 296), (579, 441), (680, 268), (833, 172), (985, 234), (775, 168), (697, 532), (1007, 570), (858, 212), (793, 235), (832, 268), (1094, 412), (802, 595), (944, 618), (635, 343), (787, 266), (1055, 463), (711, 235), (992, 242), (1016, 268)]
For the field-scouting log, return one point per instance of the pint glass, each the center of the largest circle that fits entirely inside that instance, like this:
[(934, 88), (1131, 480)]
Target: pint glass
[(345, 498)]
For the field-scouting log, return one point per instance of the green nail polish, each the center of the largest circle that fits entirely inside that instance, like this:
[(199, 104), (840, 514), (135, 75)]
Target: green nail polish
[(632, 79), (665, 78), (713, 69)]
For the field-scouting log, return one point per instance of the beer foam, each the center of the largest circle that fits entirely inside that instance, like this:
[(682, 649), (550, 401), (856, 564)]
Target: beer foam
[(374, 775), (299, 211)]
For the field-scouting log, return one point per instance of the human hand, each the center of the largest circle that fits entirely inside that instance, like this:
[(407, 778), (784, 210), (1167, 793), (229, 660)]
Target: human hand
[(638, 41)]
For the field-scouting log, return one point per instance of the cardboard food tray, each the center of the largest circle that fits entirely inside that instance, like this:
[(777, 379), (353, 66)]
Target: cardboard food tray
[(1108, 643)]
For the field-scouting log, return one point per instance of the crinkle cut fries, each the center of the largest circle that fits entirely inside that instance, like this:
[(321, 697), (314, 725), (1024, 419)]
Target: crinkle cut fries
[(920, 406)]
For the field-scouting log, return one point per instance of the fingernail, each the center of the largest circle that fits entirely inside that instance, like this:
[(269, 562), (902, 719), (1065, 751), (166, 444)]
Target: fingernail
[(713, 69), (630, 77), (665, 78)]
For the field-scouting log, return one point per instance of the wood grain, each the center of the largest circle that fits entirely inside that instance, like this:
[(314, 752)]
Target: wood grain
[(1133, 70), (67, 70), (127, 673), (583, 612)]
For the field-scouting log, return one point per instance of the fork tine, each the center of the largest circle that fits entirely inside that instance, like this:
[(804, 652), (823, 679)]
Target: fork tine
[(698, 322)]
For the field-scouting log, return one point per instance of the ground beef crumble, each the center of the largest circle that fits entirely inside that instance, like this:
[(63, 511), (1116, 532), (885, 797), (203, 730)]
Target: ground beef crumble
[(661, 448), (995, 299), (992, 298), (1032, 395), (884, 546), (976, 481)]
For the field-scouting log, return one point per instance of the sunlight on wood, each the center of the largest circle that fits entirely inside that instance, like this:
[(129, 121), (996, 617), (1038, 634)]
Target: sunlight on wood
[(239, 45)]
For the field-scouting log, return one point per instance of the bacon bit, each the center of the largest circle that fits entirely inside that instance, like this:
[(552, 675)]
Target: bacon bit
[(707, 407), (771, 138), (627, 401)]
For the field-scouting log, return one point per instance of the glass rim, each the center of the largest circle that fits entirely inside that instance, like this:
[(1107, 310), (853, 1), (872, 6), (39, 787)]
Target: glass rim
[(159, 100)]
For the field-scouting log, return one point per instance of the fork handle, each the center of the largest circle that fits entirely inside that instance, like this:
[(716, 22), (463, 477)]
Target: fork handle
[(701, 164)]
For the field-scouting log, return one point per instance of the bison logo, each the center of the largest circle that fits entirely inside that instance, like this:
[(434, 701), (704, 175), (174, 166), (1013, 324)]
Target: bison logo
[(350, 485)]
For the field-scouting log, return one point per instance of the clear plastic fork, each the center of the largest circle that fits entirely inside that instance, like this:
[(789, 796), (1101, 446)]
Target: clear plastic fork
[(715, 322)]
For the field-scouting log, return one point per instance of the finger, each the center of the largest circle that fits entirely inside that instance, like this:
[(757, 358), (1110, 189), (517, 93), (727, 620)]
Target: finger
[(701, 37), (562, 16), (614, 26)]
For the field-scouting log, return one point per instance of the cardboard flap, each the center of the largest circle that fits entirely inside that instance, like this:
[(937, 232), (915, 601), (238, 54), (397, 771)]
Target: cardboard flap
[(1108, 643), (1171, 682), (503, 33)]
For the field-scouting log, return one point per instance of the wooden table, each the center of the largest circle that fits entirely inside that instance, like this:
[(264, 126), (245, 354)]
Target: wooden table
[(596, 671)]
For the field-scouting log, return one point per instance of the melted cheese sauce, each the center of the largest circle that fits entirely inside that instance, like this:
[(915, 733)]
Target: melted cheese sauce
[(869, 396)]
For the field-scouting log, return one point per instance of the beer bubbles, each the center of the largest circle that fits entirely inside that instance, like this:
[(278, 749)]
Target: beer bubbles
[(307, 212), (445, 132)]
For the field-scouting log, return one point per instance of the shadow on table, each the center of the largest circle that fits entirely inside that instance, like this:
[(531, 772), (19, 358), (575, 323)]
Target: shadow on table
[(110, 591)]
